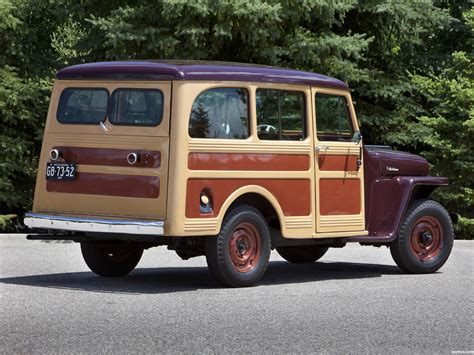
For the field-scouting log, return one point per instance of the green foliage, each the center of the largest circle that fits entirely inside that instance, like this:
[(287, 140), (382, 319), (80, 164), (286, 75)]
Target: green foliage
[(409, 63), (277, 33), (445, 128), (20, 128), (36, 37), (65, 41), (6, 220)]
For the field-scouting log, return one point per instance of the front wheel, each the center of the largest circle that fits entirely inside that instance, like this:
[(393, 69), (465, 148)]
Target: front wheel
[(238, 256), (425, 239), (111, 259)]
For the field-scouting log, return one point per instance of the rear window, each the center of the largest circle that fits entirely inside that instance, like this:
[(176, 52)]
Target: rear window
[(136, 107), (82, 105)]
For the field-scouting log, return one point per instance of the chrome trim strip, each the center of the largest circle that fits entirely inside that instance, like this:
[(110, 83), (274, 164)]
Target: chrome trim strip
[(33, 220)]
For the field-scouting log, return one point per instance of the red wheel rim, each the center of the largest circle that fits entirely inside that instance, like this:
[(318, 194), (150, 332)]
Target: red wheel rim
[(244, 247), (426, 238)]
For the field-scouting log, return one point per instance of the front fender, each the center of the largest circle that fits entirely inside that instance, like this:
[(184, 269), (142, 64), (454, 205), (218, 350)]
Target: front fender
[(390, 199)]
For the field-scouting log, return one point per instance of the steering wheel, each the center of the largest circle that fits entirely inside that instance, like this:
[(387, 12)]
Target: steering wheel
[(266, 128)]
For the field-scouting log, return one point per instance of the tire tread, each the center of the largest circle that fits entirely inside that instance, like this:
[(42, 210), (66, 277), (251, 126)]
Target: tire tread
[(216, 253), (100, 265), (398, 248)]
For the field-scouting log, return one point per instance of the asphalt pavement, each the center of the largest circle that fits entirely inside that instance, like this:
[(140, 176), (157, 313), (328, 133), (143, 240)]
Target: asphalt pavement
[(353, 301)]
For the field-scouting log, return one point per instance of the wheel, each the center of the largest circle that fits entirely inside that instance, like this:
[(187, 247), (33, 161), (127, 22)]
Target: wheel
[(238, 256), (425, 239), (302, 254), (111, 260)]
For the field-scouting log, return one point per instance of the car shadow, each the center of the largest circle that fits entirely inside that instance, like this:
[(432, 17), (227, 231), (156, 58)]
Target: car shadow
[(182, 279)]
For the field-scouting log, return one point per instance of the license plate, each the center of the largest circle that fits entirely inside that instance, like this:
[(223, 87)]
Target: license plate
[(60, 171)]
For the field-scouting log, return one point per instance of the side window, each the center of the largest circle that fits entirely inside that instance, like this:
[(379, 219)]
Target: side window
[(220, 113), (82, 106), (280, 115), (333, 119), (136, 107)]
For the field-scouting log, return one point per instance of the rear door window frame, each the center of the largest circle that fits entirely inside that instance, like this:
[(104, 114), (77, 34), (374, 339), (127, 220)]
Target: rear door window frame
[(117, 90), (108, 106), (83, 122)]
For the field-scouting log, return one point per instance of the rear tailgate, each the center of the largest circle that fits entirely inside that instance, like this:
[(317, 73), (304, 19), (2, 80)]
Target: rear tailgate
[(106, 184)]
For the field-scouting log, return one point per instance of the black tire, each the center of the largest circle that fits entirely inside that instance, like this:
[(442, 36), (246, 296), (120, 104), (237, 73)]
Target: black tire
[(238, 256), (110, 259), (302, 254), (425, 239)]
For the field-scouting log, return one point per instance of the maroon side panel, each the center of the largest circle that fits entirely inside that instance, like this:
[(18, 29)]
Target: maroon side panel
[(385, 202), (293, 195), (387, 198), (372, 172), (108, 185), (245, 161), (109, 157)]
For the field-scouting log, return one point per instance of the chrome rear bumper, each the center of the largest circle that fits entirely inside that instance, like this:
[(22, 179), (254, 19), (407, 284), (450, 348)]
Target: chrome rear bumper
[(33, 220)]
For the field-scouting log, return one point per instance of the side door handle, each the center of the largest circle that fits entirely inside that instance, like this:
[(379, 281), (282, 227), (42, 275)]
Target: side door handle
[(321, 147)]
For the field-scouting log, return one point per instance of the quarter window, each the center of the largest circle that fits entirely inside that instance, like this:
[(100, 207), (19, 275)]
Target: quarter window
[(220, 113), (82, 106), (136, 107), (333, 119), (280, 115)]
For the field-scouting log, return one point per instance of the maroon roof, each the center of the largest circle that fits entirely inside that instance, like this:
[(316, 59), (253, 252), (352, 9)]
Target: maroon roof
[(196, 70)]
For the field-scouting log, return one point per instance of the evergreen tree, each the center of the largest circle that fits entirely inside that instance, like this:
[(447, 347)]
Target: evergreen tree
[(409, 63), (199, 122)]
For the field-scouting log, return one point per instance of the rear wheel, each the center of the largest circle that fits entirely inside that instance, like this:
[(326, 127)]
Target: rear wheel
[(110, 259), (302, 254), (238, 256), (425, 239)]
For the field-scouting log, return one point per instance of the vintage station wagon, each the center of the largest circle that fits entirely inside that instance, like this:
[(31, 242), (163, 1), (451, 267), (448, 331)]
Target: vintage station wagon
[(228, 161)]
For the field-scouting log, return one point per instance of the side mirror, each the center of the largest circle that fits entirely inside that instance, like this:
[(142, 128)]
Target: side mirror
[(356, 137)]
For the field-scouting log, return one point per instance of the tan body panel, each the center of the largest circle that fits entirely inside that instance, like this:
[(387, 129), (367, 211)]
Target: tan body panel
[(185, 169), (276, 170), (340, 194), (104, 190)]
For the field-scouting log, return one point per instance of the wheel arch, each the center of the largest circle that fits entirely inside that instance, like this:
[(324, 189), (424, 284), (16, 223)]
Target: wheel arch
[(421, 191), (255, 196), (418, 188), (424, 191)]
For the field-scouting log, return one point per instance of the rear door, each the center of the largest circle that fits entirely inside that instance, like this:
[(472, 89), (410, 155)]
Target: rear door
[(339, 166), (117, 135)]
